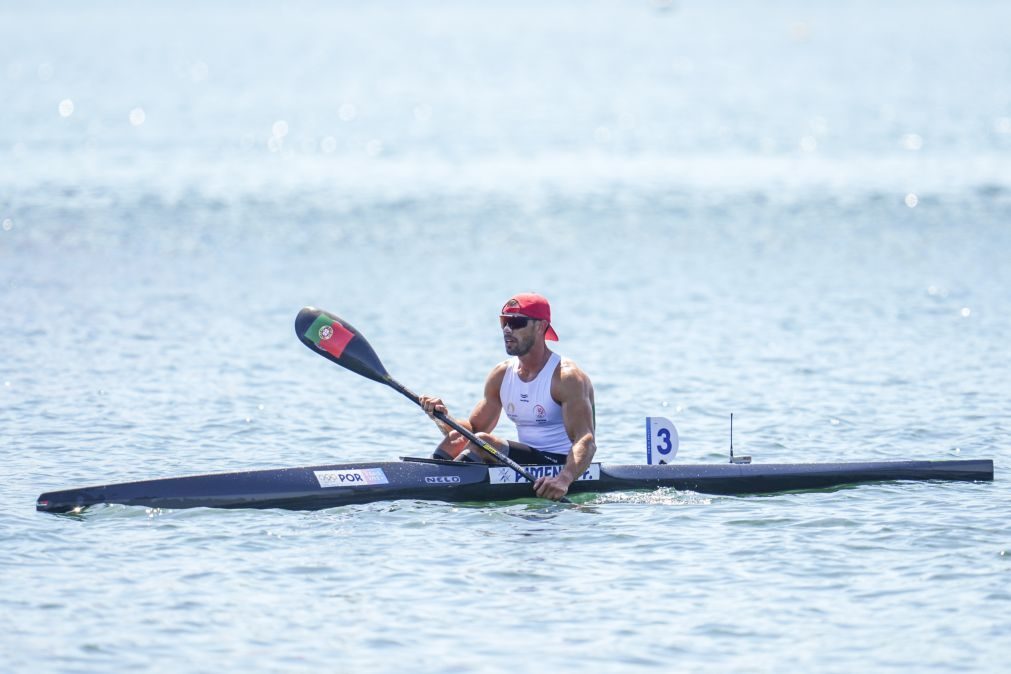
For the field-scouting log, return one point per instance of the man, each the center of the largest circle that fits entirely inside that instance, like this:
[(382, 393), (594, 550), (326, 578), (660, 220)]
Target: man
[(548, 398)]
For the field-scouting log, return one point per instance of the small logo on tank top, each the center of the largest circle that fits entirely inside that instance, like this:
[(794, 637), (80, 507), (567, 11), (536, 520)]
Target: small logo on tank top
[(524, 397), (539, 411), (511, 410)]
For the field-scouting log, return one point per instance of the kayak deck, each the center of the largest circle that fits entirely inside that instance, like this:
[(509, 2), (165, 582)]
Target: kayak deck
[(327, 486)]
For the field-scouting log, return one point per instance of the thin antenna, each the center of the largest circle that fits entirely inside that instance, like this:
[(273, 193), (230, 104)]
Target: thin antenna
[(731, 437), (737, 459)]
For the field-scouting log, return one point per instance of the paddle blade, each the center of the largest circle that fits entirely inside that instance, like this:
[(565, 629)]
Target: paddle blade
[(334, 338)]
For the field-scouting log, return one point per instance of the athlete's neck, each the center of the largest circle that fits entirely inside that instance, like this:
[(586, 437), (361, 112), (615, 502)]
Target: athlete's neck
[(533, 361)]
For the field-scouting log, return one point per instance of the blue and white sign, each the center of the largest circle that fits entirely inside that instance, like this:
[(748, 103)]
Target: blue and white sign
[(661, 441)]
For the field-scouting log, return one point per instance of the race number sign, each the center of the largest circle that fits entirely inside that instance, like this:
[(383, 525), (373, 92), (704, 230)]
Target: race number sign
[(661, 440)]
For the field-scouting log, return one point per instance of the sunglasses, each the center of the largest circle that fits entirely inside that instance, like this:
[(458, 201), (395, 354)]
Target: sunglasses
[(515, 322)]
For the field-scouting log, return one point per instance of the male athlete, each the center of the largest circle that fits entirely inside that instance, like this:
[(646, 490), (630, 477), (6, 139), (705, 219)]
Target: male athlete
[(548, 398)]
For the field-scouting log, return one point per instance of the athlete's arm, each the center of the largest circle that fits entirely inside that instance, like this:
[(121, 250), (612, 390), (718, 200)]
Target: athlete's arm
[(575, 394), (486, 413)]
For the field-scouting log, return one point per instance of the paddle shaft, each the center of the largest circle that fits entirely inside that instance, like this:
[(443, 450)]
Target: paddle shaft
[(499, 456)]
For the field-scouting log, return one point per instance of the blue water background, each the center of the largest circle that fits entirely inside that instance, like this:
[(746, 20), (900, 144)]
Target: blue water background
[(796, 212)]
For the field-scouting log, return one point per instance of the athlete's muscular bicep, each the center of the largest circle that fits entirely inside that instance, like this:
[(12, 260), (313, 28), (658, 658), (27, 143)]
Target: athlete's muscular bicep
[(486, 413), (575, 394), (577, 414)]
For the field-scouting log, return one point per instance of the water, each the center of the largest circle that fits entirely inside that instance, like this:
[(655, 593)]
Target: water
[(795, 213)]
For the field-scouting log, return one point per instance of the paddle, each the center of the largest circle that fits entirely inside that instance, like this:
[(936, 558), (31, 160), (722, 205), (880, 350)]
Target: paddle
[(336, 340)]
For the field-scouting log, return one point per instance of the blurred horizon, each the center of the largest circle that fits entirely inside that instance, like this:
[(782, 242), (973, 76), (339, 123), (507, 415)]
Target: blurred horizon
[(403, 100)]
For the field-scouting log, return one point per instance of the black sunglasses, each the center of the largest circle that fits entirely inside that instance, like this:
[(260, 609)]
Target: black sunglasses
[(515, 322)]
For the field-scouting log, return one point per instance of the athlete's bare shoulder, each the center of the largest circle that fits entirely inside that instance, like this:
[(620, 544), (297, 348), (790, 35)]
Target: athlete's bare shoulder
[(570, 380), (567, 369), (497, 374)]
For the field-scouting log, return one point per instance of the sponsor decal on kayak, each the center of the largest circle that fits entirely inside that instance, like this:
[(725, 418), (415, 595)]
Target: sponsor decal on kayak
[(505, 475), (354, 477), (443, 479)]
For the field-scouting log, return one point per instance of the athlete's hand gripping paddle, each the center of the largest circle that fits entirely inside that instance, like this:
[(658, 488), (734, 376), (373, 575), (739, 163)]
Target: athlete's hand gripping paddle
[(335, 339)]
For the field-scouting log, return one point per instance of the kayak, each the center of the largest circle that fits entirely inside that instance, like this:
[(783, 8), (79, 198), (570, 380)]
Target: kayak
[(327, 486)]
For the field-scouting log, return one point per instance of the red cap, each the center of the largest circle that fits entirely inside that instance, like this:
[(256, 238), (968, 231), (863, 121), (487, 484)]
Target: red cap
[(534, 306)]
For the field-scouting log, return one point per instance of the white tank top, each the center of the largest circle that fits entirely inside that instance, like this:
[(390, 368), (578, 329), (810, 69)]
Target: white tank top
[(529, 405)]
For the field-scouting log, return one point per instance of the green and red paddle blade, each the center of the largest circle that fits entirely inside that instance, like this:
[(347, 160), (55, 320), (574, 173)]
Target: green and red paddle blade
[(337, 340)]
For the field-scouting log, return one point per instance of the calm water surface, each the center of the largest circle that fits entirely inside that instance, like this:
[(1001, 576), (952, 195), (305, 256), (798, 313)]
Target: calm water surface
[(797, 213)]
